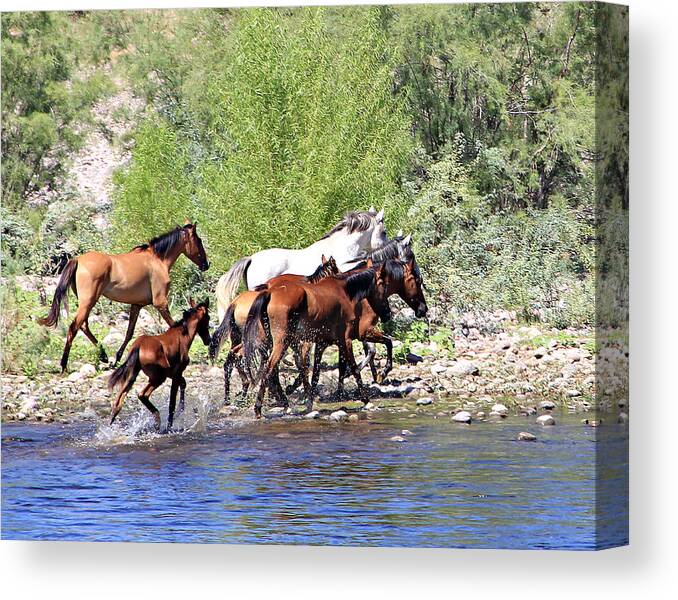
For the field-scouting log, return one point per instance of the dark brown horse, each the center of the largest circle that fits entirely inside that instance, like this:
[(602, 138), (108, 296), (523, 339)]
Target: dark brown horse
[(161, 357), (139, 278), (295, 312), (234, 320)]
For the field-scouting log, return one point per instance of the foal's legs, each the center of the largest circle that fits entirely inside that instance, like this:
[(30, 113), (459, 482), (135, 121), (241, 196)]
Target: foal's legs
[(144, 397), (182, 394), (131, 324), (347, 347), (172, 402), (377, 337)]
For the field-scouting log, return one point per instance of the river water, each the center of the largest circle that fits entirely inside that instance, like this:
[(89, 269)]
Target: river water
[(317, 482)]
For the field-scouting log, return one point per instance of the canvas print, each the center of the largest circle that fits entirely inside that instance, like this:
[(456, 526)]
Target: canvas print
[(348, 275)]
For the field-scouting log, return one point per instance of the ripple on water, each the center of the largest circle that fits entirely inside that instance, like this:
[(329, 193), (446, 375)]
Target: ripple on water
[(322, 483)]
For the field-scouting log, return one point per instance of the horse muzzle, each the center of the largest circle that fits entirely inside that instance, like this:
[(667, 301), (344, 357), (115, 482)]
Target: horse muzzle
[(421, 311), (204, 266)]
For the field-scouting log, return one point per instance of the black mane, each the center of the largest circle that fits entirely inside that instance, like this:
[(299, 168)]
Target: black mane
[(188, 313), (352, 221), (391, 249), (359, 285), (162, 244)]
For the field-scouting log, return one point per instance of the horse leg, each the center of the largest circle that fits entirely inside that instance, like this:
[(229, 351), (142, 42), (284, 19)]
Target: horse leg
[(228, 369), (172, 403), (182, 394), (301, 358), (92, 338), (276, 389), (350, 359), (377, 337), (342, 373), (317, 361), (370, 352), (131, 324), (280, 346), (80, 318), (144, 397)]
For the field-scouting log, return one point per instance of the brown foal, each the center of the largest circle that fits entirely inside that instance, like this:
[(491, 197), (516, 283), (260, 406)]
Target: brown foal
[(161, 357), (139, 278)]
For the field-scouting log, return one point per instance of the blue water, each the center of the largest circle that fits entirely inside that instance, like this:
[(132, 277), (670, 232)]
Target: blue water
[(299, 482)]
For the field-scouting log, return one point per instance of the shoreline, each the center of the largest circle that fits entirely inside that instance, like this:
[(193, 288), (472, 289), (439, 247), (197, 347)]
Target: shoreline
[(486, 372)]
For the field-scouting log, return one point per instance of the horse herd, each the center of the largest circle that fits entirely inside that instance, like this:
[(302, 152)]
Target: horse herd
[(330, 293)]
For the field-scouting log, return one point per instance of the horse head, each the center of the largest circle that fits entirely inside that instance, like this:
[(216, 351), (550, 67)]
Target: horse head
[(193, 247)]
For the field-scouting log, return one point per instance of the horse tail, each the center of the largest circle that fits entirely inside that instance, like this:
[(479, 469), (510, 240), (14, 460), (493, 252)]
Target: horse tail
[(126, 374), (229, 282), (252, 343), (61, 293), (224, 329)]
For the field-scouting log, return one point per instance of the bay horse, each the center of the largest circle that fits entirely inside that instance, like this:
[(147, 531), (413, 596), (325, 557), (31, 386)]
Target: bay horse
[(295, 312), (234, 321), (348, 241), (139, 277), (401, 278), (161, 357)]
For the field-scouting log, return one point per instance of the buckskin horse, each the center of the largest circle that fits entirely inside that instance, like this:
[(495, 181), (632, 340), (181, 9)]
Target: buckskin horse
[(138, 278), (348, 241), (161, 357)]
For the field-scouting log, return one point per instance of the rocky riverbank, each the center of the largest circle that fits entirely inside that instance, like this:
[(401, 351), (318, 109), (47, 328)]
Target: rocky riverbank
[(488, 377)]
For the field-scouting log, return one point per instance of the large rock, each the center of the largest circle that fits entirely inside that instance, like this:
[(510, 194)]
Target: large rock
[(339, 415), (314, 414), (462, 417), (546, 420), (88, 371), (547, 405), (75, 376), (500, 408), (424, 401), (462, 367), (525, 436)]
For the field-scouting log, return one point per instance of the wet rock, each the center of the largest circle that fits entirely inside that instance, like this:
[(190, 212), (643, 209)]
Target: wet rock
[(462, 417), (500, 408), (622, 418), (525, 436), (339, 415), (406, 432), (424, 401), (547, 405), (20, 416), (397, 438), (480, 415), (592, 422), (462, 367), (314, 414), (546, 420), (87, 371)]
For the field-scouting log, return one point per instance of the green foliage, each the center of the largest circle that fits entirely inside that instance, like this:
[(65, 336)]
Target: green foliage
[(536, 262), (43, 100), (290, 129), (26, 345)]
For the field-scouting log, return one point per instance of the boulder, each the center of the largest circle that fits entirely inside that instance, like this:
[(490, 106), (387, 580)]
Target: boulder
[(88, 371), (462, 417), (546, 420), (397, 438), (424, 401), (622, 418), (547, 405), (500, 408), (525, 436), (339, 415), (462, 367), (75, 376), (314, 414)]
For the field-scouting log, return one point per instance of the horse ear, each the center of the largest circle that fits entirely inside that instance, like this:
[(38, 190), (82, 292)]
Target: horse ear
[(187, 221), (407, 240), (372, 209), (323, 260), (191, 302), (380, 216), (206, 303), (369, 263), (400, 233)]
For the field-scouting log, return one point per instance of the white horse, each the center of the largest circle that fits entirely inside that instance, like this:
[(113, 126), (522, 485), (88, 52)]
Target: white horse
[(348, 241)]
